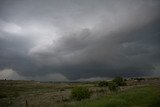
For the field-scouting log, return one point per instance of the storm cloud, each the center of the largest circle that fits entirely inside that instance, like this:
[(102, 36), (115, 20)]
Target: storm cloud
[(79, 39)]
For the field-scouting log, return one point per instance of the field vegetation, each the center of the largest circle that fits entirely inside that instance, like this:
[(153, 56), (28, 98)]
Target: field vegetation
[(119, 92)]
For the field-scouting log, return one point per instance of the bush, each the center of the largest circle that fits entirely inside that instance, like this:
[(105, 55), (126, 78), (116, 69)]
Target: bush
[(139, 79), (15, 94), (112, 86), (103, 84), (3, 95), (79, 93), (119, 81)]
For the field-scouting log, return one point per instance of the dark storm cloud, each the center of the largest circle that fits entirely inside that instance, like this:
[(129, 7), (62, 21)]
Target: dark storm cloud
[(118, 54), (80, 39)]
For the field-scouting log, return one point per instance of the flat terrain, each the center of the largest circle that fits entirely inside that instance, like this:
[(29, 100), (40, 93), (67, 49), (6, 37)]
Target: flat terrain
[(143, 93), (145, 96)]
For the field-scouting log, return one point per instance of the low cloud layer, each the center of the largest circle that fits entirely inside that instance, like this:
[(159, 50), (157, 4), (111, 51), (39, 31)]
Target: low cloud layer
[(79, 40), (10, 74)]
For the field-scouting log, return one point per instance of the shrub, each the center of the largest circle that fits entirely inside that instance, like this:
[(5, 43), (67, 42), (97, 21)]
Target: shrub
[(62, 89), (103, 84), (3, 95), (15, 94), (112, 86), (79, 93), (119, 81), (139, 79)]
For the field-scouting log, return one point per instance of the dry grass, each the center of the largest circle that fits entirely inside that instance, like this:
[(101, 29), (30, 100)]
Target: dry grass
[(37, 94)]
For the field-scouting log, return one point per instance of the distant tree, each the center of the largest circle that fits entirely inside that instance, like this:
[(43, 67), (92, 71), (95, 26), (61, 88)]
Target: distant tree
[(119, 81), (103, 84), (79, 93), (139, 79), (112, 86)]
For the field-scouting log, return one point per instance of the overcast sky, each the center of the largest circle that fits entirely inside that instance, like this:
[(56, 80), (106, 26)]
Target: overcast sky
[(63, 40)]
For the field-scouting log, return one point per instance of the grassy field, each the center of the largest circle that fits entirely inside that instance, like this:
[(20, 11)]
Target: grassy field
[(145, 96), (145, 93)]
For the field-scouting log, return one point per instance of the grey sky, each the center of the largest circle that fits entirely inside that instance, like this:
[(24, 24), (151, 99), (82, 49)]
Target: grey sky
[(79, 39)]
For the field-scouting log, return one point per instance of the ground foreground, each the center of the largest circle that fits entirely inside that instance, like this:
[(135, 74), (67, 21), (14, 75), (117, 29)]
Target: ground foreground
[(145, 96), (143, 93)]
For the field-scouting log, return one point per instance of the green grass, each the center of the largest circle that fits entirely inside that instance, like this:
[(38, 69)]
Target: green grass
[(147, 96), (15, 94)]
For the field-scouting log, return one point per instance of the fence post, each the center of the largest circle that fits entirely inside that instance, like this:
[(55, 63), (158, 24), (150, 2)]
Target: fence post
[(26, 103)]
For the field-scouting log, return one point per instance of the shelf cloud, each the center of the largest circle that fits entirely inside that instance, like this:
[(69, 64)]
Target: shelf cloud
[(67, 40)]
